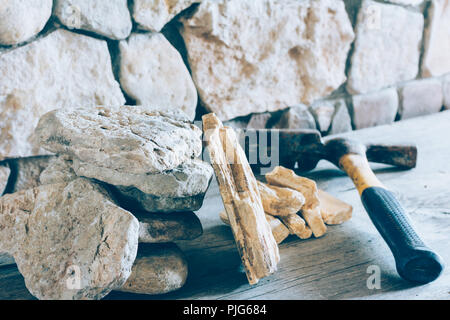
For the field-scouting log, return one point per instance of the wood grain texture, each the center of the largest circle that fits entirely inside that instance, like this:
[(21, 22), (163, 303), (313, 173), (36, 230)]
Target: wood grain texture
[(334, 266), (241, 199)]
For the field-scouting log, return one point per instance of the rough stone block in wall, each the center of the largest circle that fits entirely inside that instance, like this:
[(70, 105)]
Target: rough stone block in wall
[(407, 2), (420, 97), (153, 73), (446, 91), (323, 112), (63, 69), (296, 117), (436, 57), (252, 56), (259, 120), (374, 109), (21, 20), (153, 15), (109, 18), (342, 121), (387, 47)]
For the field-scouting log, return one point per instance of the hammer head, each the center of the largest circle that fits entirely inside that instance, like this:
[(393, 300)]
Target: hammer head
[(305, 148)]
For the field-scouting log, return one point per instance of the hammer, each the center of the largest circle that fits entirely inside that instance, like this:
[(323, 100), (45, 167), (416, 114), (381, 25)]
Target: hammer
[(415, 261)]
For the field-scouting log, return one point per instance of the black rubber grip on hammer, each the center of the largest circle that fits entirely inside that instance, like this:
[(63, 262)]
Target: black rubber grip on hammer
[(414, 260)]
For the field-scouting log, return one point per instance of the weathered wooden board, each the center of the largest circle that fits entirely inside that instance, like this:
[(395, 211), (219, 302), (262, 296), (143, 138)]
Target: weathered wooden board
[(335, 266)]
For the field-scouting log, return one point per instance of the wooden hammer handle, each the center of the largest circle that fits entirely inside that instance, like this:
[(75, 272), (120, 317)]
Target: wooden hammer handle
[(414, 260)]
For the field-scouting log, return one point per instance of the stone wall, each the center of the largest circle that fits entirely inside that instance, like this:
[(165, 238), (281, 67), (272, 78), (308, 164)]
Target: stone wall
[(335, 65)]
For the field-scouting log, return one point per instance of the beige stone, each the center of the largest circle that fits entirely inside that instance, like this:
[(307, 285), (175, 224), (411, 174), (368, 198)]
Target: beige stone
[(311, 210), (180, 189), (333, 210), (159, 269), (28, 171), (60, 70), (127, 139), (153, 15), (342, 121), (297, 226), (4, 176), (407, 2), (279, 230), (168, 227), (419, 98), (437, 40), (59, 170), (384, 53), (257, 56), (69, 240), (242, 200), (278, 201), (446, 91), (153, 73), (110, 18), (374, 109), (259, 120), (323, 112), (21, 20), (296, 117)]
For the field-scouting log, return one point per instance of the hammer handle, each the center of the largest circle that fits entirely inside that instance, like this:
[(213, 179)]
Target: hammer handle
[(414, 260)]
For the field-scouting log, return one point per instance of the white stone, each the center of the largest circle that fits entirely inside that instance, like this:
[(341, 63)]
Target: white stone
[(259, 120), (27, 172), (413, 3), (69, 240), (21, 20), (180, 189), (375, 109), (153, 73), (110, 18), (153, 15), (420, 97), (159, 269), (252, 56), (126, 139), (59, 170), (61, 70), (446, 91), (168, 227), (384, 52), (4, 176), (323, 112), (436, 61), (296, 117), (342, 121)]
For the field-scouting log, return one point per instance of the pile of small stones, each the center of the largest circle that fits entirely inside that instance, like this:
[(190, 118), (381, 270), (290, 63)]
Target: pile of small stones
[(121, 189)]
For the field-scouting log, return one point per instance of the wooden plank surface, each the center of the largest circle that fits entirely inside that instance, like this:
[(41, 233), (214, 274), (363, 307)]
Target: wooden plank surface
[(335, 266)]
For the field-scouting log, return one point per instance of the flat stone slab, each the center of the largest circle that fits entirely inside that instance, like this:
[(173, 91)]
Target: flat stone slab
[(159, 269), (132, 140), (168, 227)]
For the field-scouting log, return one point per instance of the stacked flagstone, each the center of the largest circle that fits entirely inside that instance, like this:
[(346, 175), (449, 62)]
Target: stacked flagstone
[(120, 190)]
